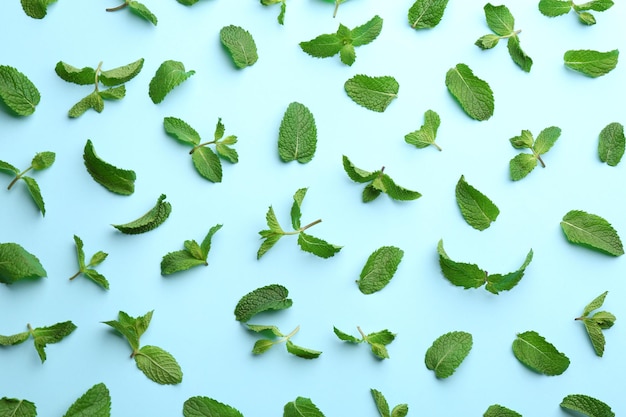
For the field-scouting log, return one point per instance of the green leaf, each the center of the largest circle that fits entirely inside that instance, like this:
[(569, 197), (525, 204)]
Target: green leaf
[(345, 336), (35, 193), (591, 231), (367, 32), (240, 45), (500, 282), (92, 101), (37, 9), (120, 75), (553, 8), (477, 209), (370, 193), (604, 319), (16, 264), (71, 74), (487, 41), (400, 410), (8, 168), (612, 144), (448, 352), (269, 297), (178, 261), (302, 352), (518, 55), (149, 221), (500, 411), (116, 180), (268, 330), (301, 407), (188, 2), (169, 75), (536, 353), (208, 407), (96, 277), (207, 164), (381, 403), (586, 405), (226, 152), (426, 13), (383, 337), (397, 192), (269, 240), (296, 213), (43, 160), (546, 139), (596, 336), (357, 174), (113, 93), (262, 346), (44, 336), (373, 93), (181, 131), (98, 258), (472, 93), (426, 134), (460, 274), (205, 246), (379, 350), (499, 19), (158, 365), (323, 46), (316, 246), (524, 141), (14, 339), (591, 63), (270, 217), (96, 402), (595, 304), (142, 11), (596, 5), (379, 269), (12, 407), (347, 54), (17, 92), (297, 136), (130, 327), (521, 165)]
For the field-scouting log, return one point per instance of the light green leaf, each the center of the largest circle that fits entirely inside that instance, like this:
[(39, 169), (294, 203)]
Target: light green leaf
[(604, 319), (142, 11), (487, 41), (347, 54), (301, 407), (269, 240), (367, 32), (96, 277), (17, 92), (262, 346), (207, 164), (296, 212), (205, 246), (521, 165), (595, 335), (426, 134), (460, 274), (96, 402), (345, 336), (381, 403), (448, 352), (395, 191), (379, 350), (35, 193), (43, 160), (546, 139), (178, 261), (149, 221), (382, 337), (8, 168), (524, 141), (272, 222), (536, 353), (240, 45), (208, 407), (612, 144), (297, 136), (426, 13), (158, 365), (181, 131), (169, 75), (12, 407), (595, 303), (596, 5), (14, 339), (227, 152), (44, 336), (302, 352), (130, 327), (553, 8), (92, 101), (472, 93), (499, 19), (71, 74), (317, 246), (586, 405), (116, 180), (265, 329), (120, 75), (98, 258), (518, 55), (323, 46), (373, 93), (500, 411), (379, 269), (269, 297), (113, 93), (400, 410), (477, 209), (591, 63), (16, 264), (591, 231)]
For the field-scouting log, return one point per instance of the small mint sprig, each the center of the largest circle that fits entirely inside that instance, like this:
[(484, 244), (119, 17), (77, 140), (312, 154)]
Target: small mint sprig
[(137, 8), (274, 337), (554, 8), (87, 269), (40, 161), (42, 336), (594, 324), (524, 163), (378, 341)]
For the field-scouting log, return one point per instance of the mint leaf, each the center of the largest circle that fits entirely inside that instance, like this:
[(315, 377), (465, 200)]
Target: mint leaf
[(302, 352), (18, 408), (596, 323), (113, 93), (14, 339), (37, 9), (518, 55), (400, 410), (522, 165), (96, 402), (345, 336), (448, 352), (591, 231), (169, 75), (158, 365), (536, 353), (41, 161), (379, 269), (71, 74), (44, 336), (373, 93), (317, 246), (263, 345), (367, 32), (426, 13), (121, 75), (586, 405), (132, 328), (553, 8), (426, 134), (83, 268), (477, 209), (546, 139), (357, 174), (17, 92), (301, 407), (207, 163), (377, 340), (385, 184), (269, 297), (35, 193), (181, 131), (612, 144), (193, 255), (208, 407), (283, 8), (297, 137), (499, 19), (240, 45), (188, 2), (149, 221), (16, 264), (296, 213), (591, 63), (8, 168), (500, 411), (92, 101), (142, 11), (323, 46), (379, 183), (505, 282), (472, 93), (116, 180)]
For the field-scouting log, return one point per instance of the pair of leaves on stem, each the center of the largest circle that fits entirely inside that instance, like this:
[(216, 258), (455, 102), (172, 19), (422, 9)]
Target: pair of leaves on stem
[(194, 254), (16, 264), (554, 8), (205, 160), (17, 92), (400, 410), (373, 93), (426, 14), (87, 269), (600, 320), (427, 133), (240, 45), (377, 341), (502, 23), (473, 94), (468, 275), (591, 63), (447, 352), (283, 8), (157, 364), (138, 9), (307, 243), (344, 41), (539, 355), (379, 182), (149, 221), (42, 336), (522, 165), (168, 76), (113, 78), (611, 144), (116, 180), (40, 161), (297, 136), (591, 231)]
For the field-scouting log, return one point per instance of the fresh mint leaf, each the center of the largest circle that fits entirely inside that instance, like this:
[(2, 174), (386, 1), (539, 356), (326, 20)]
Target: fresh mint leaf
[(136, 8), (158, 365), (263, 345), (208, 407), (181, 131), (473, 94), (96, 402), (121, 75), (92, 101), (499, 19), (323, 46), (19, 408), (35, 193), (302, 407), (477, 209), (586, 405), (591, 63), (345, 337), (426, 134), (116, 180), (43, 336), (40, 161), (16, 264), (612, 144), (518, 55), (283, 8), (505, 282), (302, 352), (367, 32), (297, 137), (188, 2), (379, 269), (71, 74), (373, 93), (8, 168), (296, 211), (269, 297), (17, 92), (376, 340), (500, 411), (591, 231), (317, 246), (523, 164), (553, 8), (192, 255), (595, 324), (426, 13), (14, 339), (448, 352), (400, 410), (169, 75), (537, 354), (83, 268), (240, 45), (132, 328), (149, 221), (357, 174), (37, 9)]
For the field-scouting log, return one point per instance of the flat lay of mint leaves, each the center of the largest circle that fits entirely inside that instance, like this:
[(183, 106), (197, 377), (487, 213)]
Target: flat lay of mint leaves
[(193, 310)]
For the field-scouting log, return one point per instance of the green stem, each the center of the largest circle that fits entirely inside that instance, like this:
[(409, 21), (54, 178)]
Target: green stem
[(30, 330), (302, 229), (18, 176), (543, 165), (361, 331), (120, 7), (290, 335), (97, 76), (75, 275), (201, 145), (135, 353), (336, 8)]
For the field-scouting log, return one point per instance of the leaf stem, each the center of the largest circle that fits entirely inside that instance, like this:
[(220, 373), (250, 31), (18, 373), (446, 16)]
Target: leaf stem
[(290, 335), (336, 8), (437, 146), (361, 331), (543, 165), (75, 275), (18, 176), (211, 142), (120, 7), (97, 76), (302, 229)]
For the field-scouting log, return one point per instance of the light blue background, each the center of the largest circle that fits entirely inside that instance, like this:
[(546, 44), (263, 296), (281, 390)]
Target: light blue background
[(193, 316)]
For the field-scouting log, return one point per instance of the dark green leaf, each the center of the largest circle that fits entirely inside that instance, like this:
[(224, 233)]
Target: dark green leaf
[(16, 264), (149, 221), (586, 405), (116, 180), (16, 91), (142, 11), (96, 402), (44, 336), (379, 269), (240, 45), (302, 352), (168, 76), (120, 75), (317, 246), (270, 297), (35, 193)]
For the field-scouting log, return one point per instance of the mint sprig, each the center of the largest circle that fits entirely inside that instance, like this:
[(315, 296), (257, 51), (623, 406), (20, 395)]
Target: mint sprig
[(42, 336), (40, 161), (17, 92), (194, 254), (427, 133), (273, 336), (377, 341), (596, 323), (138, 9), (523, 164), (400, 410), (16, 264), (87, 269), (553, 8)]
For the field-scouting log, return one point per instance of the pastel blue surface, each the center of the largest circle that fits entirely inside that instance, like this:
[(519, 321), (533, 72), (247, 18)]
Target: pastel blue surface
[(193, 311)]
